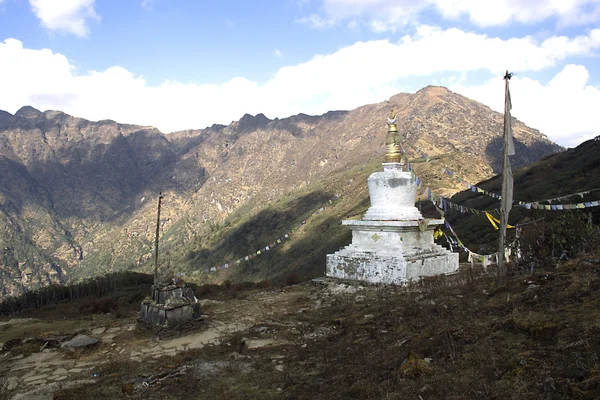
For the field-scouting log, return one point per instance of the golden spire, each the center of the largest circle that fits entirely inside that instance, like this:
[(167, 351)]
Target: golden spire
[(392, 141)]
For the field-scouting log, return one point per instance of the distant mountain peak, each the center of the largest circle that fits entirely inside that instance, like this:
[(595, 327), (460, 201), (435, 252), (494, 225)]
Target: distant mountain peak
[(28, 112), (250, 123)]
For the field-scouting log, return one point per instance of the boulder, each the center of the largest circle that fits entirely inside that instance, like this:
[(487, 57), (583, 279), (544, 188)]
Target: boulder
[(79, 341)]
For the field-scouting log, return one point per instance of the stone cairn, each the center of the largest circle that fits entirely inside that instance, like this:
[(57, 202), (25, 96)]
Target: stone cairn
[(170, 305)]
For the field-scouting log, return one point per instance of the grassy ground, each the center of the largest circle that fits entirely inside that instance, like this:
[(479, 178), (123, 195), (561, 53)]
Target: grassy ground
[(457, 337)]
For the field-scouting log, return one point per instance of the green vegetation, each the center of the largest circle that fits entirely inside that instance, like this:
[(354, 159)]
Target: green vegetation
[(129, 285), (254, 226), (573, 171)]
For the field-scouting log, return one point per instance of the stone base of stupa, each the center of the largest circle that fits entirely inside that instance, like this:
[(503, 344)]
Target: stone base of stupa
[(391, 252)]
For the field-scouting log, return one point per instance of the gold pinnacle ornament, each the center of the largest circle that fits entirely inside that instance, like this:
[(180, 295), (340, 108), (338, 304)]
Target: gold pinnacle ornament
[(392, 141)]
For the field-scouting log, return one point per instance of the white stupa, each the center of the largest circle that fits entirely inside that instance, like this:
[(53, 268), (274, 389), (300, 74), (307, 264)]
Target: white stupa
[(392, 244)]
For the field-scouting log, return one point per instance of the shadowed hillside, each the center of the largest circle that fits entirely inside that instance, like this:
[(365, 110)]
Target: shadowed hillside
[(79, 197)]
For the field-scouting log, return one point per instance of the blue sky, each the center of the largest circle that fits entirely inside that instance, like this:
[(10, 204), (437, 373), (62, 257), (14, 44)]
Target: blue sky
[(182, 64)]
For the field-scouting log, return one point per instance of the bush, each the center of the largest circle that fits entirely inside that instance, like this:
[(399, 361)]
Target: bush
[(558, 237), (291, 278), (263, 284), (98, 306)]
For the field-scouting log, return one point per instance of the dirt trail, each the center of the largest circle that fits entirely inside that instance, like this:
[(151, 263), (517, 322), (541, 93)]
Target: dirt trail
[(40, 374)]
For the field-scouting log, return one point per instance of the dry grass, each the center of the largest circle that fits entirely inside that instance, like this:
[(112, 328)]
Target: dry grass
[(457, 337)]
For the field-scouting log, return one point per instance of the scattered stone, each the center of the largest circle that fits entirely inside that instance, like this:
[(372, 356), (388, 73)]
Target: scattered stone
[(342, 288), (98, 331), (17, 321), (295, 331), (533, 287), (113, 330), (34, 378), (11, 344), (263, 329), (29, 374), (205, 302), (79, 341), (108, 338), (60, 371), (549, 384), (12, 383), (279, 368)]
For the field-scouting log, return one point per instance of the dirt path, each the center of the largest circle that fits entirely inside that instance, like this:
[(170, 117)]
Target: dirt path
[(41, 373)]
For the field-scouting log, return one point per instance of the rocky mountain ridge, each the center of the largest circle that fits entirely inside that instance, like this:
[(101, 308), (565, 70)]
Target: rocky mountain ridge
[(77, 198)]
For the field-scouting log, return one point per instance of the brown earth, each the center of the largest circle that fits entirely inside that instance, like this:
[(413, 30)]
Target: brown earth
[(458, 337)]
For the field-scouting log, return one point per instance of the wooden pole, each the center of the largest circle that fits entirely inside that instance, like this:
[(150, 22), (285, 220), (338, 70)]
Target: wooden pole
[(160, 197)]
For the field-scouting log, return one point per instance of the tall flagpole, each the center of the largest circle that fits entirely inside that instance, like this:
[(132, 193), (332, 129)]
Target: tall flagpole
[(160, 197), (507, 181)]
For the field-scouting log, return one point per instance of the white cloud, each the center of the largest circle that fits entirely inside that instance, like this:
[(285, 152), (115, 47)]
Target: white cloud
[(277, 53), (388, 15), (565, 109), (362, 73), (66, 15), (316, 21)]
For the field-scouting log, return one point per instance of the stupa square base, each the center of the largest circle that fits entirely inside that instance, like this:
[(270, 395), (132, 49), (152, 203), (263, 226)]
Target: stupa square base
[(374, 268), (391, 252)]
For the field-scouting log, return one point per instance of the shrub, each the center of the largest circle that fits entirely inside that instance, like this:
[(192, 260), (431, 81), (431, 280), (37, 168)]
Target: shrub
[(291, 278), (263, 284), (98, 306), (558, 237)]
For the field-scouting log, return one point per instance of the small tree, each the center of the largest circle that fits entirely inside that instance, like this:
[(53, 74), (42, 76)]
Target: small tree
[(558, 237)]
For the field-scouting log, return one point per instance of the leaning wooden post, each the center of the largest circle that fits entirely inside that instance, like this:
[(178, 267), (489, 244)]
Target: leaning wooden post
[(160, 197)]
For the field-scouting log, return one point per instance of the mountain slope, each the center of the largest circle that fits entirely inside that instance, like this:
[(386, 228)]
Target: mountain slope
[(83, 193), (572, 171)]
